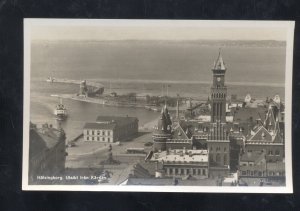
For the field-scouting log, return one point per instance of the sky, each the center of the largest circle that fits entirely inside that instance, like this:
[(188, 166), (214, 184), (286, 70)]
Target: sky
[(155, 30)]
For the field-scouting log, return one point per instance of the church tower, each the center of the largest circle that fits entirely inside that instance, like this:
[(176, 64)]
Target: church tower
[(162, 131), (218, 91)]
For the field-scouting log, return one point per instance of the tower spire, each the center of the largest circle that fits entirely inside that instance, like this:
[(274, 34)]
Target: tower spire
[(219, 63)]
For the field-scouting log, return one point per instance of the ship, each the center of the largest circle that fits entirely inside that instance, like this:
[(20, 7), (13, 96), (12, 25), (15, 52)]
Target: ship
[(60, 111)]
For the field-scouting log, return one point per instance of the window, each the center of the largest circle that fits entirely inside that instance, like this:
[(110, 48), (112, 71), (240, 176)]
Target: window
[(203, 172), (98, 132), (225, 149), (182, 171), (176, 171), (218, 158), (108, 139), (194, 172), (103, 133), (171, 171), (270, 152), (225, 160), (277, 152), (244, 173), (87, 138), (187, 171), (108, 132), (211, 149)]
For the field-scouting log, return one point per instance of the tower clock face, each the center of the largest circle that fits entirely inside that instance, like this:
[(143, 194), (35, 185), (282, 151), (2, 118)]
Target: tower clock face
[(218, 79)]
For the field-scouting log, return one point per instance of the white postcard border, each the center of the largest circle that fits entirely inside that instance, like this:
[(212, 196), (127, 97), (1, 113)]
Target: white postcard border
[(288, 25)]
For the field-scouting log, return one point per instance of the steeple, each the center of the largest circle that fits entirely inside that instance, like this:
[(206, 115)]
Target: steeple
[(219, 63), (163, 131)]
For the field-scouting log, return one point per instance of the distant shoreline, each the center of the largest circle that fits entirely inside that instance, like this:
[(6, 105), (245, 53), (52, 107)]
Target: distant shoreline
[(144, 81), (202, 42), (187, 82)]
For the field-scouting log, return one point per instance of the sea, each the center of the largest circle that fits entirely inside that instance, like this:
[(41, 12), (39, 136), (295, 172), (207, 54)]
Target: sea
[(146, 68)]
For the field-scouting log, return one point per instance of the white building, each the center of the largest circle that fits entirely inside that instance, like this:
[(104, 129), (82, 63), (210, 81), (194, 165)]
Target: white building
[(110, 129)]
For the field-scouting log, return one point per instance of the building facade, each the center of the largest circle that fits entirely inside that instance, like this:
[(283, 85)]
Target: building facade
[(183, 163), (111, 129)]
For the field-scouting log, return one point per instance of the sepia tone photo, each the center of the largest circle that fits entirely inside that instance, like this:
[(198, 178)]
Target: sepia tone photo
[(157, 105)]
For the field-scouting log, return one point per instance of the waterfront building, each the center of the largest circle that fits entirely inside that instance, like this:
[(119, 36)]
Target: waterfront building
[(111, 129), (47, 151), (90, 89)]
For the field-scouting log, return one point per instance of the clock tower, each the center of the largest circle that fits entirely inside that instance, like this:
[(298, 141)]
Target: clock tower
[(218, 142), (218, 91)]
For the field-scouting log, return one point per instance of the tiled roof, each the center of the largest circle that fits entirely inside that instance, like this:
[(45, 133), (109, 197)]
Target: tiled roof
[(261, 135), (42, 139), (244, 114), (98, 126), (179, 133), (252, 156), (50, 136), (109, 122), (117, 119), (189, 156)]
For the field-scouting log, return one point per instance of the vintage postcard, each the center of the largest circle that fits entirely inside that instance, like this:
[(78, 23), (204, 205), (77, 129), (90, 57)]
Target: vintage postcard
[(158, 105)]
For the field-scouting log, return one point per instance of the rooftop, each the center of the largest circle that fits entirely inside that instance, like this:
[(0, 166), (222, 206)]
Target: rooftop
[(104, 126), (178, 155), (44, 138), (110, 122), (245, 114), (117, 119), (252, 156)]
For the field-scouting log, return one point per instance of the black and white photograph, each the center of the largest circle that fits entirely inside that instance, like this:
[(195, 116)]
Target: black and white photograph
[(157, 105)]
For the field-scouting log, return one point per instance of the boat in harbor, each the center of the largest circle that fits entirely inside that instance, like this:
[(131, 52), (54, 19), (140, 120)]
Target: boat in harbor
[(60, 111)]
